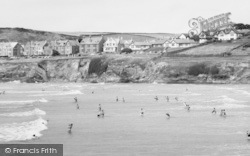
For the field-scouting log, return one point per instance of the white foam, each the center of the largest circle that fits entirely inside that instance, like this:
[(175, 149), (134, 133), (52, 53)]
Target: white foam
[(24, 102), (36, 111), (71, 92), (226, 99), (16, 81), (22, 131)]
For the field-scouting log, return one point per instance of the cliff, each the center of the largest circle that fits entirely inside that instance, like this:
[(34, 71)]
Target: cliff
[(126, 69)]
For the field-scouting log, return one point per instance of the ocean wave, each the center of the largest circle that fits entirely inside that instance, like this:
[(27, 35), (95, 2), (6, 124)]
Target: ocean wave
[(36, 111), (24, 102), (22, 131), (71, 92), (225, 99), (218, 107)]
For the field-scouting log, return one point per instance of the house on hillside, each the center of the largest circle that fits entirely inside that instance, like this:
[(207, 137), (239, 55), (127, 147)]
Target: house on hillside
[(11, 49), (112, 45), (160, 43), (182, 43), (140, 46), (37, 48), (127, 43), (204, 37), (183, 36), (59, 46), (91, 45), (227, 34), (71, 47)]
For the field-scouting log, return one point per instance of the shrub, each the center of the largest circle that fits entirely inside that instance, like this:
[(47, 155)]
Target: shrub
[(127, 50), (197, 69), (97, 66), (214, 70), (55, 53)]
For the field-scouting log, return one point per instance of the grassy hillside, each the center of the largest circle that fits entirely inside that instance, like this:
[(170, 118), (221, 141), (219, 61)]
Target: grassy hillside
[(216, 48), (134, 36), (24, 35)]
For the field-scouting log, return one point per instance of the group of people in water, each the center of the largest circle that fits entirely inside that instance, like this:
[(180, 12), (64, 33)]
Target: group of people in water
[(142, 112)]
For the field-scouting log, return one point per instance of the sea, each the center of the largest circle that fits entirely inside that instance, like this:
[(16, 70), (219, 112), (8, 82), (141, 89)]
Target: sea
[(40, 113)]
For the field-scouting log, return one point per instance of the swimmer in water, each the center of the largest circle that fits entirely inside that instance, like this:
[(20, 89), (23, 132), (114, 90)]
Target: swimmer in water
[(223, 112), (70, 128), (187, 106), (123, 99), (142, 112), (36, 137), (168, 115), (156, 98), (77, 106), (167, 99), (101, 114), (176, 98), (100, 108), (75, 99), (214, 111), (93, 92), (117, 99), (248, 134)]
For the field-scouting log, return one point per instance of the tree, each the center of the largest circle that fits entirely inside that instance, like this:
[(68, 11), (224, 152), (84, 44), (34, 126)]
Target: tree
[(55, 53), (127, 50), (196, 38)]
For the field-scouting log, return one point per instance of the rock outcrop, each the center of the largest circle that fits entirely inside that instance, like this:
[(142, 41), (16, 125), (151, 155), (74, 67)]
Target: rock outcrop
[(125, 70)]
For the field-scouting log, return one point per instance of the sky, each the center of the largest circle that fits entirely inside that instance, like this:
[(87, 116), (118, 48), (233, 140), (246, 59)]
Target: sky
[(149, 16)]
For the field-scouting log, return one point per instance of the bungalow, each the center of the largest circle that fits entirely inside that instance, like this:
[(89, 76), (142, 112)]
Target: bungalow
[(160, 43), (11, 49), (228, 34), (183, 43), (91, 45), (140, 46), (112, 45), (183, 36), (37, 48)]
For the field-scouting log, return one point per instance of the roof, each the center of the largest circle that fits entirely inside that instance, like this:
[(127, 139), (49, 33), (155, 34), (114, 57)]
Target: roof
[(73, 43), (13, 44), (184, 41), (126, 41), (59, 42), (116, 40), (91, 40), (143, 43), (8, 44), (185, 34), (227, 31), (37, 43), (159, 42), (155, 49)]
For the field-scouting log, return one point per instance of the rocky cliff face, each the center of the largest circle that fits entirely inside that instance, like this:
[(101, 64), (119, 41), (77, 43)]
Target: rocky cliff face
[(126, 70)]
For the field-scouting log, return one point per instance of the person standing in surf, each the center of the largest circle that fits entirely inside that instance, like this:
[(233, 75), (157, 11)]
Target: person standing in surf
[(214, 111), (75, 99)]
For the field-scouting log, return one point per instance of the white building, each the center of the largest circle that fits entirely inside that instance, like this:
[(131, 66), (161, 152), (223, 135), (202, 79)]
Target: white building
[(228, 34), (112, 45), (183, 43)]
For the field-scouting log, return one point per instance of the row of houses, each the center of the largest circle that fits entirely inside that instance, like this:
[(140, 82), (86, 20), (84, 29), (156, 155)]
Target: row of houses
[(89, 45)]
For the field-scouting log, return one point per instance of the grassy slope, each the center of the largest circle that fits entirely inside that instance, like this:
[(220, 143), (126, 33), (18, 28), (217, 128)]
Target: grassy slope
[(24, 35), (217, 48)]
